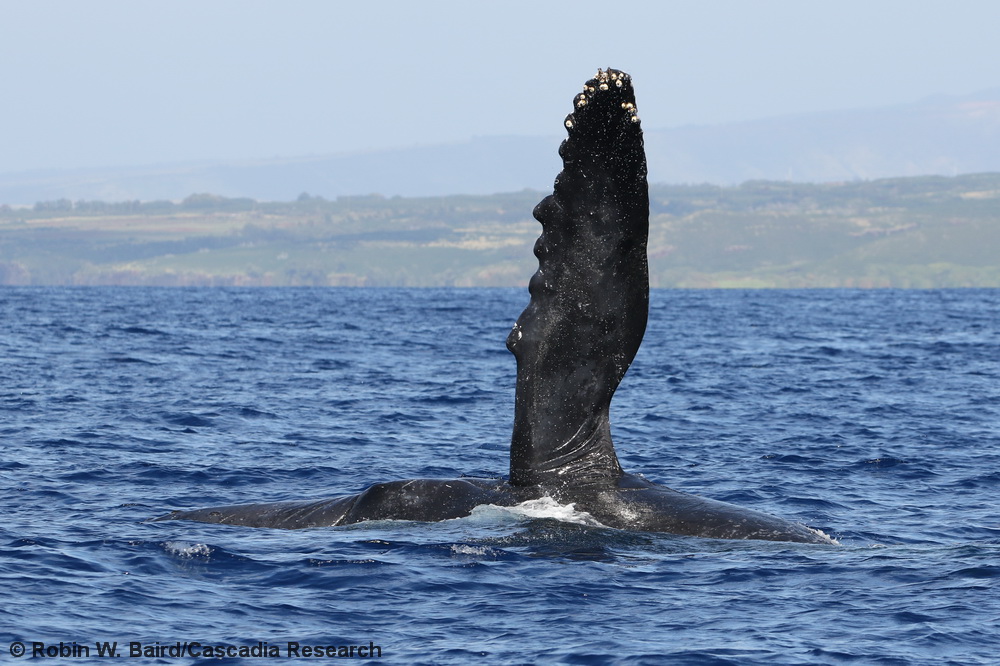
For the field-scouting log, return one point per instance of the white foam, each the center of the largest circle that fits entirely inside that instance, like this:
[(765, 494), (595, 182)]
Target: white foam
[(464, 549), (824, 535), (187, 549), (543, 507)]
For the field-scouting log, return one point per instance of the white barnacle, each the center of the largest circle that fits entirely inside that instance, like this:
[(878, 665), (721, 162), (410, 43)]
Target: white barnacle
[(635, 118), (569, 124), (581, 102), (618, 82), (604, 86)]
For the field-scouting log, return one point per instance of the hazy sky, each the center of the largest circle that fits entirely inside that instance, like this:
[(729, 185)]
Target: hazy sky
[(128, 82)]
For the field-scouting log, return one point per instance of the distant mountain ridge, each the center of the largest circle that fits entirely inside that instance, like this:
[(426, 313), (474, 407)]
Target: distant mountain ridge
[(942, 135)]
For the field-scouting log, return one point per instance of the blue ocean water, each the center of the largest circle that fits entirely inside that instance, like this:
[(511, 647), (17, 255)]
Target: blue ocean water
[(872, 415)]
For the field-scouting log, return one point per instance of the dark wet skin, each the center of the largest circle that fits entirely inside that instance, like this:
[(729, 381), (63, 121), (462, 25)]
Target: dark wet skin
[(573, 344), (589, 298)]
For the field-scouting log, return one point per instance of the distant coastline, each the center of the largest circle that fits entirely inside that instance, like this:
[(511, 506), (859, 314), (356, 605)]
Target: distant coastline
[(917, 232)]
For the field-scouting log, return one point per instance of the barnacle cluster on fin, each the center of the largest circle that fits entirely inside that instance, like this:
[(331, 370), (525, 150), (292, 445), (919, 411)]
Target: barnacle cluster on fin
[(608, 87)]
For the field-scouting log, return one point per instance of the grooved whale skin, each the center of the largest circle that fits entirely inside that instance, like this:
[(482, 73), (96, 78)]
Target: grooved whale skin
[(589, 297)]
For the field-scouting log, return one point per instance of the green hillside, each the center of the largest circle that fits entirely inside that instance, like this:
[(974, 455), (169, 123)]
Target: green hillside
[(905, 232)]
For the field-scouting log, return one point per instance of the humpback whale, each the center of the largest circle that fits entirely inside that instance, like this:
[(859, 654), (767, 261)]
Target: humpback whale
[(573, 343)]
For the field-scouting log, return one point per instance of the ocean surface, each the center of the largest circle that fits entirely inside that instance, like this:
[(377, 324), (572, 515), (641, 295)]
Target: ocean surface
[(872, 415)]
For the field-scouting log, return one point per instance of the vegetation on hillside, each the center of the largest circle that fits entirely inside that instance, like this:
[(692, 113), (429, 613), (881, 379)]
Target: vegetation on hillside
[(903, 232)]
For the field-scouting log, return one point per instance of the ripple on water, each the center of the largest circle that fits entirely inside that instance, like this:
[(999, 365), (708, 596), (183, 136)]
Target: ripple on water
[(870, 415)]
